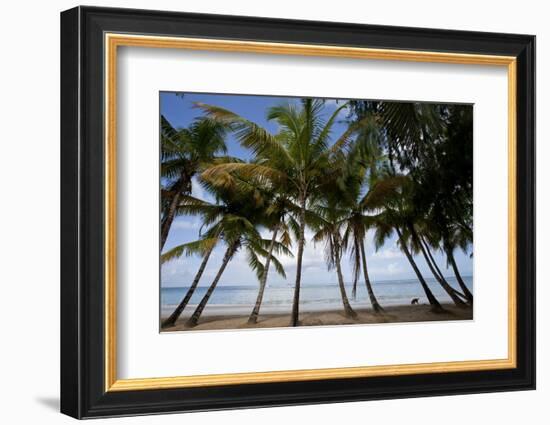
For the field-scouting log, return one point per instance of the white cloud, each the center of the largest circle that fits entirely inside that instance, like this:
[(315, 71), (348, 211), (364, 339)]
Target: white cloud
[(388, 253), (394, 268), (186, 223), (387, 270), (177, 272)]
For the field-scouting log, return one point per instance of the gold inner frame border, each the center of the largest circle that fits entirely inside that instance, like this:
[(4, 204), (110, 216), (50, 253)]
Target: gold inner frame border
[(111, 43)]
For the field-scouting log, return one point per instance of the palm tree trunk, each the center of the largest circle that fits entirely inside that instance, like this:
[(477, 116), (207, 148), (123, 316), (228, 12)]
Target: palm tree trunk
[(301, 241), (181, 306), (355, 271), (194, 319), (170, 212), (429, 252), (256, 310), (347, 307), (426, 246), (458, 302), (436, 307), (354, 288), (459, 279), (374, 302)]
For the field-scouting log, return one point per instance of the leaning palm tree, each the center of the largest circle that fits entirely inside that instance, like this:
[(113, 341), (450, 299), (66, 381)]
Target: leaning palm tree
[(430, 238), (183, 153), (203, 247), (420, 247), (299, 158), (416, 206), (433, 143), (446, 227), (364, 193), (362, 216), (235, 223), (238, 233), (328, 227), (384, 231), (427, 248), (277, 215), (458, 239), (211, 213), (396, 217), (357, 224)]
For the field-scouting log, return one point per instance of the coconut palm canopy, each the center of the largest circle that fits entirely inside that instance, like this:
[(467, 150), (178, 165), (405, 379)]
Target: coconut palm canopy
[(261, 192)]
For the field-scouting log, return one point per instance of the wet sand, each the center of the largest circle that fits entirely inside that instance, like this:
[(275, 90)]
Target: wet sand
[(392, 314)]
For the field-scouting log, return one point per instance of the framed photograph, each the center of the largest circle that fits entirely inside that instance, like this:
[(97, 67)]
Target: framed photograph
[(261, 212)]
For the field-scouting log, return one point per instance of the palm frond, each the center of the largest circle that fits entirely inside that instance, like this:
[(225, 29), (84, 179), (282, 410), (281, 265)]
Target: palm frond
[(382, 190), (199, 247), (278, 267), (220, 174), (254, 263), (249, 134)]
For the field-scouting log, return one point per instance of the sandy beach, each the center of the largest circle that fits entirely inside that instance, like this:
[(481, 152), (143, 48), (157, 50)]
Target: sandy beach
[(392, 314)]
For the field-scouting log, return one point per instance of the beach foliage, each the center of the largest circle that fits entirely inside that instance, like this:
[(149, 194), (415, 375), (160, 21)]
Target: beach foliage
[(397, 168)]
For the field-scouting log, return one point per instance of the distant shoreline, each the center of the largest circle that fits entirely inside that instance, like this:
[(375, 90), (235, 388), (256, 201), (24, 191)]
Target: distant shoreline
[(225, 319), (291, 285)]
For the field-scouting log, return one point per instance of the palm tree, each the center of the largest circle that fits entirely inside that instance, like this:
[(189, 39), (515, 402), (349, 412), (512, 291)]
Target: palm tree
[(275, 216), (468, 294), (328, 225), (434, 143), (299, 158), (394, 218), (364, 192), (441, 231), (420, 246), (233, 219), (358, 222), (459, 239), (232, 248), (427, 244), (436, 306), (203, 247), (243, 234), (262, 278), (210, 213), (434, 224), (183, 153), (277, 213), (403, 213)]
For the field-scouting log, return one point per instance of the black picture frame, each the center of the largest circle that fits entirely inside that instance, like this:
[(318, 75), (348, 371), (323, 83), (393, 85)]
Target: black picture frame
[(83, 392)]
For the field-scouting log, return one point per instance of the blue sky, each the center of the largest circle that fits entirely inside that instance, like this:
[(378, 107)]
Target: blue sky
[(388, 263)]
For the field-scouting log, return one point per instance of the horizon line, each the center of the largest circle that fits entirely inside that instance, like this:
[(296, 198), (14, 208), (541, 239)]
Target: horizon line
[(333, 283)]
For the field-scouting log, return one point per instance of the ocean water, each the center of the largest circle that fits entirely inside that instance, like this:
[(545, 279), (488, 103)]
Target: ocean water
[(278, 298)]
